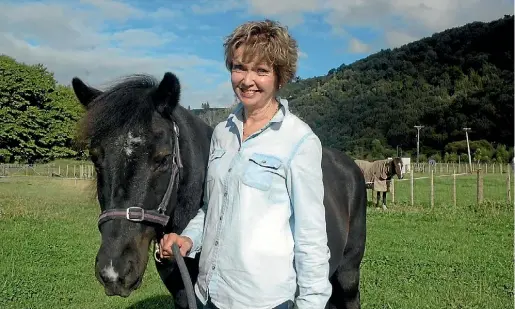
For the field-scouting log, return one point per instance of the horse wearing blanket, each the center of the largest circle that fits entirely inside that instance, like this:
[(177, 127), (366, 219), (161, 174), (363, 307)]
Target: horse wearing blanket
[(379, 173)]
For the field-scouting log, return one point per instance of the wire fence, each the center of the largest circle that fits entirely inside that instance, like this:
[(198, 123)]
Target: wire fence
[(78, 170), (423, 184), (449, 168), (433, 186)]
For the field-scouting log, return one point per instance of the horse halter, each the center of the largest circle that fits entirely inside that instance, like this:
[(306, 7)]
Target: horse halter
[(158, 216)]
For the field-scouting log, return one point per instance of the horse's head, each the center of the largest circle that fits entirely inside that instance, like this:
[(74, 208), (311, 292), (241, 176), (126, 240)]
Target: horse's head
[(133, 142), (396, 168)]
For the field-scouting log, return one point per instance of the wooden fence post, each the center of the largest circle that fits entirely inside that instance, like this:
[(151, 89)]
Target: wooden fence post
[(411, 188), (479, 186), (454, 187), (393, 190), (432, 189), (508, 185)]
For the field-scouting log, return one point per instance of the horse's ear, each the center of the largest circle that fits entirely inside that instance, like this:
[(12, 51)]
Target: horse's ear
[(168, 93), (84, 93)]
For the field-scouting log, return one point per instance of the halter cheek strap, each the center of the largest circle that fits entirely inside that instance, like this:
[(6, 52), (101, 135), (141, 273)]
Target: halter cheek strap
[(158, 216)]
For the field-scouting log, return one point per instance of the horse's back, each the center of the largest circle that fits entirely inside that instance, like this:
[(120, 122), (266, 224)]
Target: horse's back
[(345, 201)]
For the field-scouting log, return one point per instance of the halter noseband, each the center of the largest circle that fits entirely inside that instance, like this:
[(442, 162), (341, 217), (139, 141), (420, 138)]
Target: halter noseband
[(158, 216)]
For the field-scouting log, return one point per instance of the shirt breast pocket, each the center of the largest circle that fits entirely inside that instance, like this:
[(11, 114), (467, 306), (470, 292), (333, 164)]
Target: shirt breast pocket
[(261, 170)]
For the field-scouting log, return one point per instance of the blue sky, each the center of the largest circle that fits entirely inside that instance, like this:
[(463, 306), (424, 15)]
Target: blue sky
[(102, 40)]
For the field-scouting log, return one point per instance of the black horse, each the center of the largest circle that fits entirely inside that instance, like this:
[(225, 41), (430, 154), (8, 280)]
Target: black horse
[(150, 155)]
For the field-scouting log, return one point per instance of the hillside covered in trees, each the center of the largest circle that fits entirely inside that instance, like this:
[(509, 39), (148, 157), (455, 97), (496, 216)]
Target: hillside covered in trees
[(461, 77)]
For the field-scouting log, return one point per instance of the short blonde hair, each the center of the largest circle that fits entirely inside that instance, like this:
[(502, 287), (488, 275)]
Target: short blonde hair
[(266, 41)]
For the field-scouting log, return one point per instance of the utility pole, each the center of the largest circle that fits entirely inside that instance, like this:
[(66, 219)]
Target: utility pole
[(468, 147), (418, 139)]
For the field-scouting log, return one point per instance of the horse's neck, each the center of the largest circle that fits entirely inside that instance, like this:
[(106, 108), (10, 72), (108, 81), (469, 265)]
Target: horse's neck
[(194, 140), (389, 170)]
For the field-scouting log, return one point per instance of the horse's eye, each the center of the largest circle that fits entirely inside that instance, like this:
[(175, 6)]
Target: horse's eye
[(162, 161), (94, 155)]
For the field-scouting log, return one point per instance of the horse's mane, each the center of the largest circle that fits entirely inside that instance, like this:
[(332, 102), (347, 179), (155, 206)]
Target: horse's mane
[(123, 105)]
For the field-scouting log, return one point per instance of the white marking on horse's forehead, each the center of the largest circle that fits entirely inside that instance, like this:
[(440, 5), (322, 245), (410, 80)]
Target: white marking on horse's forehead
[(400, 168), (133, 139), (109, 273), (130, 141)]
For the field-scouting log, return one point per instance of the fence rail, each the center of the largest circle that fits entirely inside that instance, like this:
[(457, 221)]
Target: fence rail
[(76, 171), (431, 188), (423, 184), (448, 168)]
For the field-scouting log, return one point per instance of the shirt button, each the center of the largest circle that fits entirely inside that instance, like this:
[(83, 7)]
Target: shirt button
[(225, 194), (216, 243), (230, 170), (213, 267)]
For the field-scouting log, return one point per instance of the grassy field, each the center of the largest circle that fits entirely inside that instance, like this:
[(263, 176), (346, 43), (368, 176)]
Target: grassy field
[(415, 258)]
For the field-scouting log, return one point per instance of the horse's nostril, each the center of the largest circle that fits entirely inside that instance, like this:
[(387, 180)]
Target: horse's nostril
[(109, 274)]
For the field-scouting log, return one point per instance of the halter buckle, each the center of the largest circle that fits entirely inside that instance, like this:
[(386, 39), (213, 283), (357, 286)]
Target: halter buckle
[(138, 210)]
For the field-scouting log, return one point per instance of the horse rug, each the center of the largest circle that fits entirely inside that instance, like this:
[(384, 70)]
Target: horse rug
[(375, 174)]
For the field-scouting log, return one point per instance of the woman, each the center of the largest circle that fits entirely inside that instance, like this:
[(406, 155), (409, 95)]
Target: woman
[(262, 228)]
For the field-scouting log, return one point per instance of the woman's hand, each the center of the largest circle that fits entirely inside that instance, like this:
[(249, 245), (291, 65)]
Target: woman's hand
[(165, 245)]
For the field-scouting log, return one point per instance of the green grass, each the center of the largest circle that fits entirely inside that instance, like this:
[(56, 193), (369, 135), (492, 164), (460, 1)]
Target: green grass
[(416, 257)]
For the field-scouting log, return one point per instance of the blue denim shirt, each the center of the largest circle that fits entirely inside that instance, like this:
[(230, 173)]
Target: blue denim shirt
[(262, 229)]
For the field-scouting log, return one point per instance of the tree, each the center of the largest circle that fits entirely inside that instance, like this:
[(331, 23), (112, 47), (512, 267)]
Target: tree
[(501, 154), (38, 116)]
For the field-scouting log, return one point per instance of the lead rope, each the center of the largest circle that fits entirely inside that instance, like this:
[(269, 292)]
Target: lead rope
[(186, 279)]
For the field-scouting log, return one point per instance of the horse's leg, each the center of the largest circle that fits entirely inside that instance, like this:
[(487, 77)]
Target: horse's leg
[(384, 201), (378, 198), (346, 294), (345, 280)]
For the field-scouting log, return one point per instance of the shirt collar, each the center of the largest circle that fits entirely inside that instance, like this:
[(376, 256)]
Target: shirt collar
[(237, 113)]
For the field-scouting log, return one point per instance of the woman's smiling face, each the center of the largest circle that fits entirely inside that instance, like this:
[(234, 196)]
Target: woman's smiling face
[(255, 84)]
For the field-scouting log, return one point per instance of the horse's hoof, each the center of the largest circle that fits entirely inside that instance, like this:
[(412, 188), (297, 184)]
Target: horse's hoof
[(384, 207)]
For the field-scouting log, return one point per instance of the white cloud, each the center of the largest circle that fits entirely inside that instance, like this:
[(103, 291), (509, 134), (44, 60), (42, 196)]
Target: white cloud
[(288, 12), (114, 9), (396, 38), (162, 13), (210, 7), (302, 54), (142, 37), (410, 18), (76, 42), (358, 47)]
